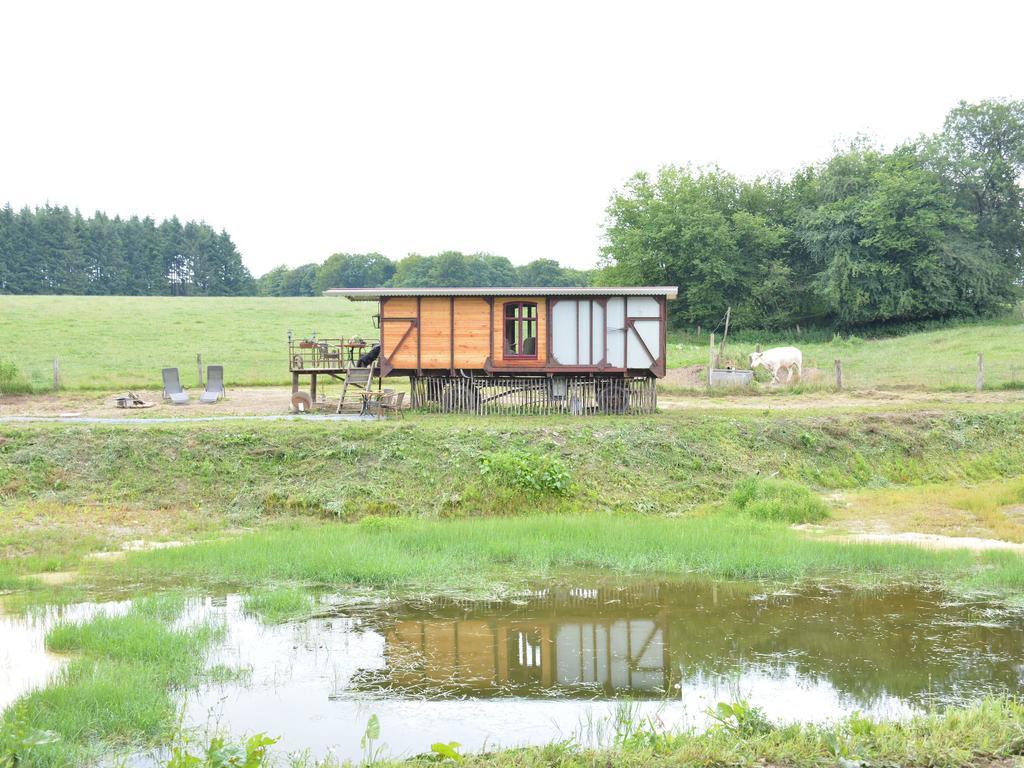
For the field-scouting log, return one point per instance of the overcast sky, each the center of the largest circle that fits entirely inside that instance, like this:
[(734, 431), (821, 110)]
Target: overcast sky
[(307, 128)]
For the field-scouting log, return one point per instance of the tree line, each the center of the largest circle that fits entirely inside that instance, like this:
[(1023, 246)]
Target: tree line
[(443, 270), (54, 250), (929, 230), (932, 229)]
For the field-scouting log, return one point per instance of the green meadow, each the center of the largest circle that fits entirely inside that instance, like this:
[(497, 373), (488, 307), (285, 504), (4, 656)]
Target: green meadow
[(119, 342), (942, 358)]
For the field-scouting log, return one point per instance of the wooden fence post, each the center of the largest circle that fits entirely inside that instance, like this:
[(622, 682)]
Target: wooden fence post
[(199, 367), (711, 357), (839, 373), (757, 347), (979, 381), (56, 374)]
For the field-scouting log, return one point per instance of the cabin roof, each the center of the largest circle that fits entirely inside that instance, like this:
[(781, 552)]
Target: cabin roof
[(373, 294)]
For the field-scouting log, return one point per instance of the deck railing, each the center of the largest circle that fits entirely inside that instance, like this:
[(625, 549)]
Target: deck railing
[(326, 354)]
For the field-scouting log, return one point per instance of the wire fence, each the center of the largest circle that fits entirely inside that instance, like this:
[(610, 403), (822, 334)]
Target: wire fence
[(43, 374)]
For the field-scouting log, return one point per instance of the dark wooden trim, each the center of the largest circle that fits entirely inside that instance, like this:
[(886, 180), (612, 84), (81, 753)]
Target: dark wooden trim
[(625, 333), (380, 324), (663, 316), (419, 337), (490, 330), (490, 368), (520, 321), (590, 326), (451, 333), (548, 333)]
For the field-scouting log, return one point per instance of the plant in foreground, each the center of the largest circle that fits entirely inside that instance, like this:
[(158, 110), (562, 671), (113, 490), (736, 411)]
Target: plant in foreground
[(252, 753)]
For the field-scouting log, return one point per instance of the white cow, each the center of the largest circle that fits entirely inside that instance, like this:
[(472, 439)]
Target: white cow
[(777, 359)]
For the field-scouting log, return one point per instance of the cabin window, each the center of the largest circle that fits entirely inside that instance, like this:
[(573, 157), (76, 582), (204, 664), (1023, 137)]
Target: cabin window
[(521, 330)]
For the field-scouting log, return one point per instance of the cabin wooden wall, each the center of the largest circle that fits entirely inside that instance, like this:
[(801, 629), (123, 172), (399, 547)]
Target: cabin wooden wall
[(472, 345), (399, 334), (427, 344)]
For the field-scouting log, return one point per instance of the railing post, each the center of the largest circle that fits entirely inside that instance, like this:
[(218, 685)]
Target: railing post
[(711, 357), (56, 374)]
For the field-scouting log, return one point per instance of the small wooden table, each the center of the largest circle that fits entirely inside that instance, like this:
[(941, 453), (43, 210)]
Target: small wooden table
[(354, 350), (369, 399)]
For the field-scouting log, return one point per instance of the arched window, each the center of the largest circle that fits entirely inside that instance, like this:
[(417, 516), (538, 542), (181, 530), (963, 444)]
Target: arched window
[(521, 330)]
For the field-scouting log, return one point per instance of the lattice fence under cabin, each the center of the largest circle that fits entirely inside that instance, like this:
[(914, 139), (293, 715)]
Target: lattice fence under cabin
[(518, 395)]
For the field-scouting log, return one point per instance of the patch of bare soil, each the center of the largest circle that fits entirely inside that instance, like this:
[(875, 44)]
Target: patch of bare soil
[(267, 401), (778, 400), (935, 541), (243, 401)]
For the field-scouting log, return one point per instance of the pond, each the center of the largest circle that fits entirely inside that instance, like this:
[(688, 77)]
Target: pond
[(566, 661)]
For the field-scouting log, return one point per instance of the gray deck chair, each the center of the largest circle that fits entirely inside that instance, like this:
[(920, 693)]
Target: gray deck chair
[(172, 387), (214, 384)]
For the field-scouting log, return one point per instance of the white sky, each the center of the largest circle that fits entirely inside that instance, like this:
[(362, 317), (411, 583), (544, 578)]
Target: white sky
[(307, 128)]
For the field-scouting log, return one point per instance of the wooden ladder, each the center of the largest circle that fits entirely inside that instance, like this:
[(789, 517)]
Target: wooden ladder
[(361, 378)]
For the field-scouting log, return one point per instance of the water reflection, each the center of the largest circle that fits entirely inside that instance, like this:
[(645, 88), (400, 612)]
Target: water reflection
[(559, 662), (646, 641)]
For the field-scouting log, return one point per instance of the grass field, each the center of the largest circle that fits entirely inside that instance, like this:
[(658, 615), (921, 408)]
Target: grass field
[(119, 342), (111, 342), (946, 358)]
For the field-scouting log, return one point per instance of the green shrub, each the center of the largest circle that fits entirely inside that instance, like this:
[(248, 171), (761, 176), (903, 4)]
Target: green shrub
[(522, 470), (776, 500), (12, 382)]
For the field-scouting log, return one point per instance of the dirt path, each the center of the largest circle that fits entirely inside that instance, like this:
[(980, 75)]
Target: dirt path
[(271, 401), (849, 400)]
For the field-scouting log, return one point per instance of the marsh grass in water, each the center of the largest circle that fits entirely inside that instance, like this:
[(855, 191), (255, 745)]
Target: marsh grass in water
[(495, 553), (117, 690), (777, 501), (279, 604)]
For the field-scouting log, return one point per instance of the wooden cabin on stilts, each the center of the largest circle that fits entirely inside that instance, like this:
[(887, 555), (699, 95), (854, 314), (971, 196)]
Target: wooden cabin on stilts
[(523, 350)]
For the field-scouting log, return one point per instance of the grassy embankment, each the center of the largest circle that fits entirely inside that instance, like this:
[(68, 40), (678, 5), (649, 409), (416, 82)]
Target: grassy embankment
[(632, 496), (111, 342)]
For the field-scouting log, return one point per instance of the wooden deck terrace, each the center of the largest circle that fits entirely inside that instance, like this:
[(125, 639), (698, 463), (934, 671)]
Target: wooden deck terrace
[(325, 357)]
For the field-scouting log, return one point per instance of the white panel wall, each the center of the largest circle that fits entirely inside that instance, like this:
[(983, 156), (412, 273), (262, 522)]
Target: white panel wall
[(598, 331), (616, 331), (649, 330), (572, 332), (563, 332)]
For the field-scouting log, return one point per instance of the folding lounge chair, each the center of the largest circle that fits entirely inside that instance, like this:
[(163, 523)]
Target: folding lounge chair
[(214, 384), (172, 387)]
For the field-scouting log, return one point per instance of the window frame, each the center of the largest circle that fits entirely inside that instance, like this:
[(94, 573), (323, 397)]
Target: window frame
[(520, 320)]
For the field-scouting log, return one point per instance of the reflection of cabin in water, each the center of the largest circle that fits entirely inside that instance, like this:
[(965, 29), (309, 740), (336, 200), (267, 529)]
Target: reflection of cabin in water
[(523, 349), (562, 640)]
